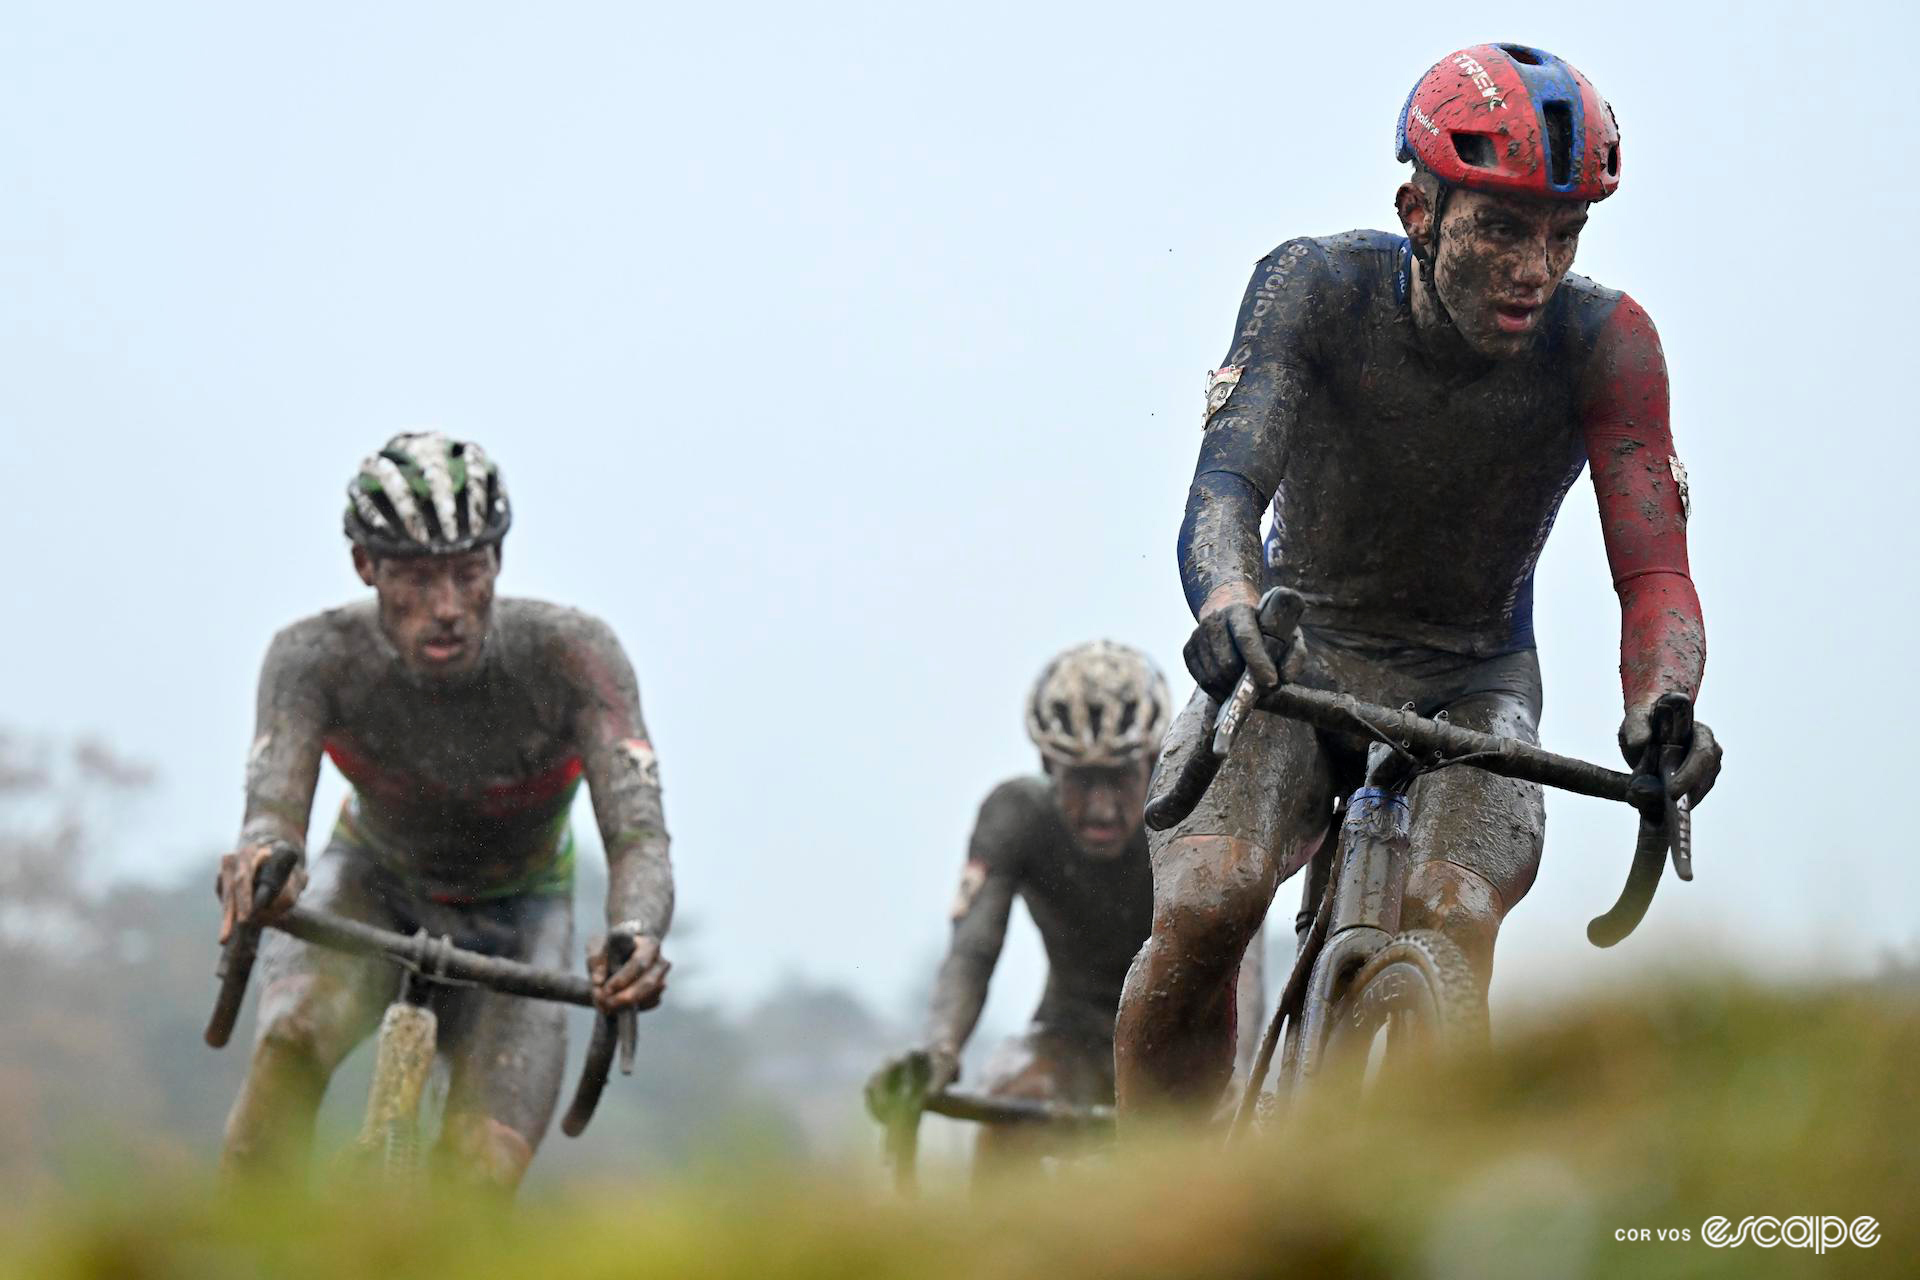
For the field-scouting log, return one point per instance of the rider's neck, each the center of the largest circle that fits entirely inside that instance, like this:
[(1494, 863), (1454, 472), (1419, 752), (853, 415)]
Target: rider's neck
[(1437, 334)]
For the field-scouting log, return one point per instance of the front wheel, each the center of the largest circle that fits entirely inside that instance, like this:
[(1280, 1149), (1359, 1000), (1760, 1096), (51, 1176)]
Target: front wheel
[(390, 1140), (1417, 994)]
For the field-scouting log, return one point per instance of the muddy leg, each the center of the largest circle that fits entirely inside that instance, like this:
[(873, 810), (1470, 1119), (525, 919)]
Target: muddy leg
[(315, 1006), (507, 1054), (308, 1023), (481, 1152), (1460, 903), (1039, 1066), (1250, 1003), (1476, 839), (1021, 1069), (1213, 878)]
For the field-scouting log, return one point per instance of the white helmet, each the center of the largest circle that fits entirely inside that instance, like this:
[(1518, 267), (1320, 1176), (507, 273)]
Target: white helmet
[(1101, 704), (425, 494)]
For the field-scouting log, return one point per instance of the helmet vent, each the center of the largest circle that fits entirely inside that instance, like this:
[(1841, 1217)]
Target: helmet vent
[(1559, 116), (1520, 53), (1613, 161), (1474, 149), (388, 512), (1127, 714)]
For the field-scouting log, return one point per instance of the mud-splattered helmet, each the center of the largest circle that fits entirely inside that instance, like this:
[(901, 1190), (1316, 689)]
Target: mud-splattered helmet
[(1509, 118), (1098, 704), (426, 494)]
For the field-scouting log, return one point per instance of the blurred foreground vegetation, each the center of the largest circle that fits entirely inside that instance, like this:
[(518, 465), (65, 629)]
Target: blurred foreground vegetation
[(1657, 1113), (737, 1149)]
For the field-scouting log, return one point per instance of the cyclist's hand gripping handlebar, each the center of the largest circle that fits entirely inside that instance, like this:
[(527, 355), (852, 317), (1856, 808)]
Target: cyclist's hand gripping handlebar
[(1665, 821), (1280, 611), (610, 1030), (243, 944)]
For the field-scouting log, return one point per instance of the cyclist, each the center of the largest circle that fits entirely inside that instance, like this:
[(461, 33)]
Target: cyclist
[(1071, 843), (464, 724), (1414, 408)]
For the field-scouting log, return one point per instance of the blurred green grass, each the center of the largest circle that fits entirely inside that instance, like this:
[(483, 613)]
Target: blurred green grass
[(1649, 1112)]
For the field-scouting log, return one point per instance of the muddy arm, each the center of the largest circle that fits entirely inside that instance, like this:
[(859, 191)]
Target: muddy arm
[(960, 989), (283, 767), (1640, 485), (623, 777), (1253, 406), (290, 721)]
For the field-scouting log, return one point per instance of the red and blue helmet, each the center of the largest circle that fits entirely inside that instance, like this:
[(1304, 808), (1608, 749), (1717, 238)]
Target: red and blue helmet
[(1509, 118)]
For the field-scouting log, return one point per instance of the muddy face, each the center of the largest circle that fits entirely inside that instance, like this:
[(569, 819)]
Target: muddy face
[(436, 610), (1103, 804), (1500, 258)]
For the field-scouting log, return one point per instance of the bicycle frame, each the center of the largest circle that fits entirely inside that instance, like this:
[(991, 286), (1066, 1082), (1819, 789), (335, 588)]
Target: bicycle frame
[(1359, 912), (1364, 897)]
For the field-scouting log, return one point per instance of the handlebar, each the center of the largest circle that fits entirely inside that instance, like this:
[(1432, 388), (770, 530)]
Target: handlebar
[(899, 1096), (900, 1116), (979, 1107), (1664, 818), (1665, 822), (437, 960)]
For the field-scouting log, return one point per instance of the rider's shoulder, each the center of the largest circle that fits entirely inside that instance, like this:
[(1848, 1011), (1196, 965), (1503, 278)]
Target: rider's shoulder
[(1033, 791), (1029, 793), (323, 638), (547, 624), (1590, 311), (1349, 260), (1018, 810), (555, 636), (1345, 251)]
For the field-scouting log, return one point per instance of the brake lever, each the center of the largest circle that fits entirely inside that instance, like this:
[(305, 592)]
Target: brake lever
[(1279, 610), (626, 1027), (1676, 736)]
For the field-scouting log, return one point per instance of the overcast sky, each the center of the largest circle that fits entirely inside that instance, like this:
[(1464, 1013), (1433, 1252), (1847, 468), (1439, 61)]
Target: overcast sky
[(849, 361)]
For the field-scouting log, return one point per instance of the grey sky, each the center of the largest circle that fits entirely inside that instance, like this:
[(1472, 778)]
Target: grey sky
[(848, 360)]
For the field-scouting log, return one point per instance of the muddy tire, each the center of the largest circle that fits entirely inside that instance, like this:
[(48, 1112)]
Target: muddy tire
[(390, 1141), (1421, 991)]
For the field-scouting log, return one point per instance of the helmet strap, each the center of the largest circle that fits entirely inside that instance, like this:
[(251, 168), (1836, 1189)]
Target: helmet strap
[(1429, 257)]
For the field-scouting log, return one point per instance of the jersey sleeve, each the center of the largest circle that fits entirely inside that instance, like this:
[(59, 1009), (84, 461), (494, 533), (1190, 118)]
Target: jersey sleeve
[(1253, 405), (623, 775), (981, 907), (1642, 491), (290, 722)]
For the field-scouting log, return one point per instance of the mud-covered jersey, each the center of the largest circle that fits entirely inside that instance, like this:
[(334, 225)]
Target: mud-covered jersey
[(1093, 914), (1412, 492), (462, 788)]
